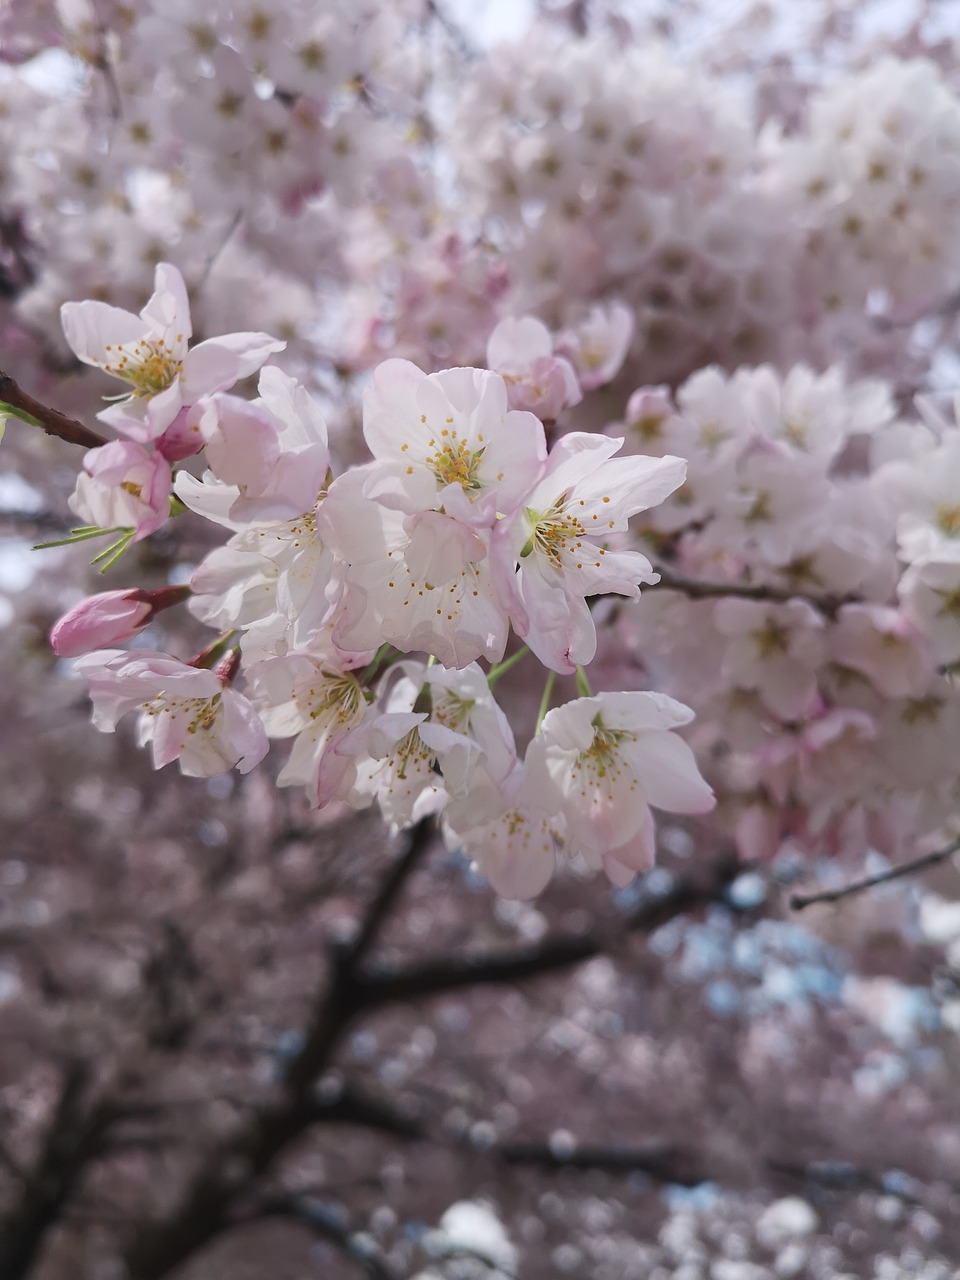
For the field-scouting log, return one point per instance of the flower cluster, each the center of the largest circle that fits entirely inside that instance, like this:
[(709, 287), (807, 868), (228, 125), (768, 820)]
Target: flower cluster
[(813, 551), (875, 182), (582, 216), (461, 528)]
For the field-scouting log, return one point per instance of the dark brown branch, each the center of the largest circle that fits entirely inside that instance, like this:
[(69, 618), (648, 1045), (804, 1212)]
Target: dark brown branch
[(231, 1171), (663, 1163), (383, 985), (53, 421), (698, 590), (73, 1138), (798, 901), (353, 1106)]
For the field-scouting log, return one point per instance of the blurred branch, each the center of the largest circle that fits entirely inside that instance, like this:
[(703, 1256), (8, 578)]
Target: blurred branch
[(355, 1107), (73, 1138), (430, 977), (321, 1221), (32, 522), (799, 901), (697, 590), (456, 33), (52, 421), (662, 1162), (231, 1170)]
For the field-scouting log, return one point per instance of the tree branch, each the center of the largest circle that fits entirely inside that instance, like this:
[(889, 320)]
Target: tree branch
[(799, 901), (73, 1138), (698, 590), (382, 985), (662, 1162), (52, 421), (231, 1170), (301, 1209)]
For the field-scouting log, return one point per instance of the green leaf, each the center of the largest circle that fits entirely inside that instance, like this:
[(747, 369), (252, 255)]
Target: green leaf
[(81, 534), (107, 559)]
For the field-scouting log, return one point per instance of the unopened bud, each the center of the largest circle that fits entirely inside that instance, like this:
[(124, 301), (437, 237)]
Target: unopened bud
[(110, 618)]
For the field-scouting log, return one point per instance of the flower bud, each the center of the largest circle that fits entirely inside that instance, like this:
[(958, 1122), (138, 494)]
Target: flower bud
[(110, 618)]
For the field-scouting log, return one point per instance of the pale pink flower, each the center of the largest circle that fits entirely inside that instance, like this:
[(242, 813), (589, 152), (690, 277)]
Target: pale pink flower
[(598, 345), (516, 851), (186, 713), (600, 762), (773, 648), (448, 441), (930, 592), (420, 583), (463, 701), (110, 618), (554, 553), (409, 764), (123, 486), (313, 699), (883, 644), (521, 351), (150, 353)]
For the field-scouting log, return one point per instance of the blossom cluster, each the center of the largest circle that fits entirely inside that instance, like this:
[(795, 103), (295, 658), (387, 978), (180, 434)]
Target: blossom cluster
[(502, 254), (814, 551), (463, 527)]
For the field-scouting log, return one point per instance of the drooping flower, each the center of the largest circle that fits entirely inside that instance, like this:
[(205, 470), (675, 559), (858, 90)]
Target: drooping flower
[(123, 486), (187, 713)]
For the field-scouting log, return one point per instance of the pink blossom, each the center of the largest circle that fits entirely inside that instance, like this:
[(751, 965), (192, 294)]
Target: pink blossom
[(448, 440), (123, 485), (555, 552), (599, 345), (150, 353), (186, 713), (110, 618), (601, 762), (521, 351)]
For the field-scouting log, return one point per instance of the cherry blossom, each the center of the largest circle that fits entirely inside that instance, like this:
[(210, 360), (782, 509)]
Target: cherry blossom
[(150, 353), (186, 713)]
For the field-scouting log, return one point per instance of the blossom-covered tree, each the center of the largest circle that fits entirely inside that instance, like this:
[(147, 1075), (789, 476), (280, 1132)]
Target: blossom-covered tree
[(550, 444)]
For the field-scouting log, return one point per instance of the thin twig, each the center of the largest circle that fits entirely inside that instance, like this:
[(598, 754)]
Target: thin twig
[(798, 901), (53, 421)]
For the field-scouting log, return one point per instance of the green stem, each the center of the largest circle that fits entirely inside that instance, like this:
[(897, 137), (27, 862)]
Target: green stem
[(374, 665), (545, 700), (583, 684), (494, 674)]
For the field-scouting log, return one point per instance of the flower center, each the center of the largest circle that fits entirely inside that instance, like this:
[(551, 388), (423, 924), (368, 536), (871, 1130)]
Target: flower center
[(150, 366), (947, 520), (202, 712), (602, 756), (341, 698), (454, 462), (552, 533)]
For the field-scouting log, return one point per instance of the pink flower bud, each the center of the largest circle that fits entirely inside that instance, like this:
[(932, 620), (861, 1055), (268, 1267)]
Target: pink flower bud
[(110, 618)]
